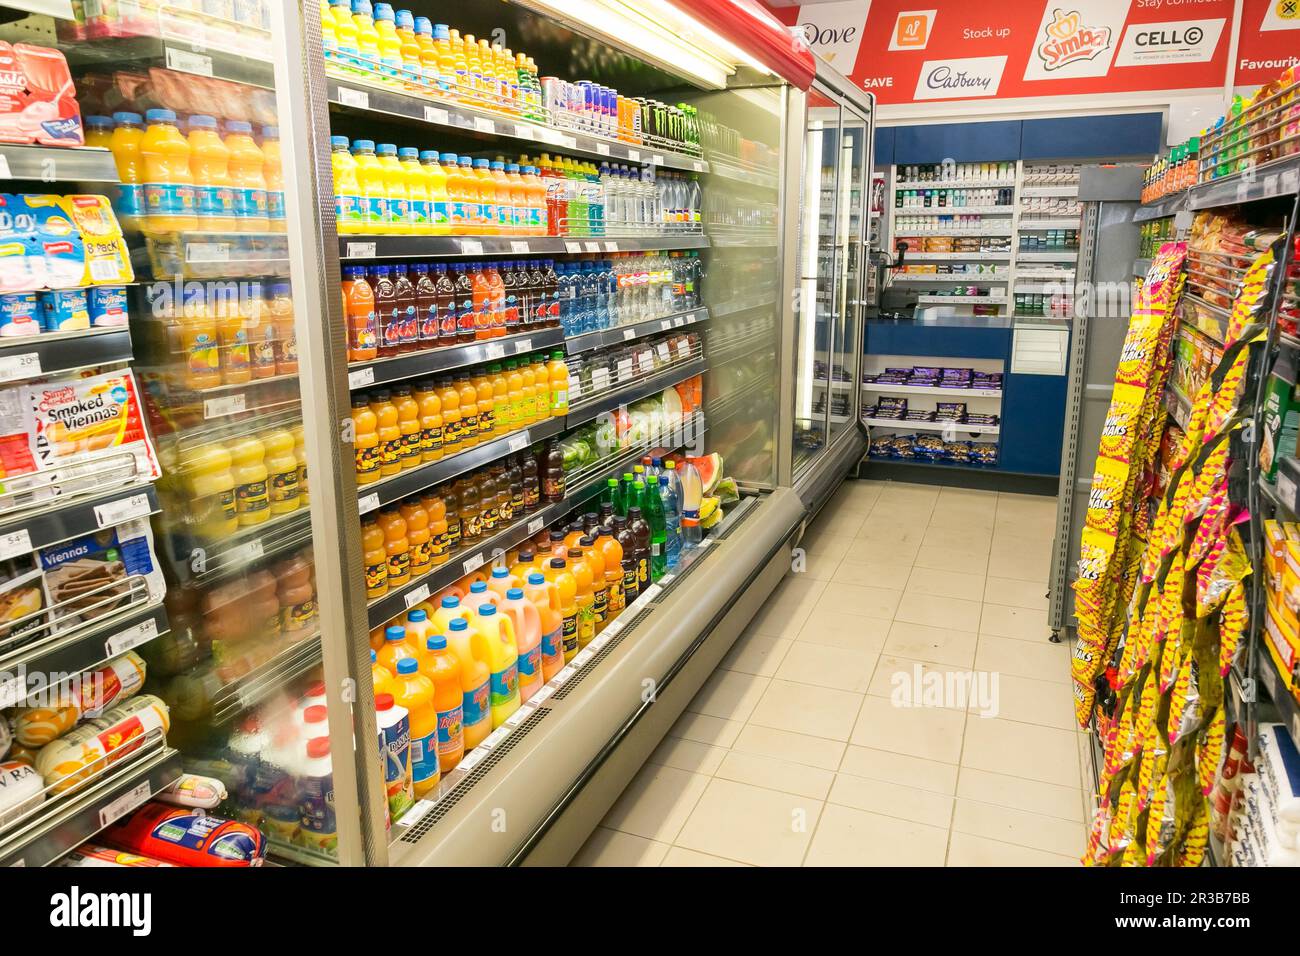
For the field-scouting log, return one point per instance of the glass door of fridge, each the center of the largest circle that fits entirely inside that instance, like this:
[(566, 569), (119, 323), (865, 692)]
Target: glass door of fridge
[(852, 203), (818, 302)]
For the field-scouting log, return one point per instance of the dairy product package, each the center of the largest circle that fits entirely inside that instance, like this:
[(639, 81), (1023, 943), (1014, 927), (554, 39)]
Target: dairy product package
[(60, 242), (38, 102)]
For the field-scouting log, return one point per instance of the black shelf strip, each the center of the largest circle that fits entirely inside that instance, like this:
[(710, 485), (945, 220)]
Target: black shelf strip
[(434, 361), (602, 338), (182, 56), (1268, 181), (30, 356), (65, 164), (60, 520), (366, 248)]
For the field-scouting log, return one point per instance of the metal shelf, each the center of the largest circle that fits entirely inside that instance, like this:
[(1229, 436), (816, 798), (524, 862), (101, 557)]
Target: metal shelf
[(743, 304), (396, 487), (30, 356), (963, 299), (1196, 312), (370, 247), (1035, 192), (932, 390), (960, 428), (618, 397), (1283, 701), (754, 177), (1268, 181), (981, 256), (359, 98), (602, 338), (201, 562), (955, 184), (65, 164), (1032, 225), (1007, 210), (434, 361), (59, 519), (199, 57), (1162, 208), (65, 821), (1048, 255)]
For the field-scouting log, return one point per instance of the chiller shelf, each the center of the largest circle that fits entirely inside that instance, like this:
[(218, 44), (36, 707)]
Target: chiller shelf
[(1268, 181), (65, 164), (199, 562), (199, 56), (367, 248), (435, 361), (608, 401), (959, 428), (931, 390), (58, 519), (726, 169), (357, 97), (1283, 701), (30, 356), (603, 338)]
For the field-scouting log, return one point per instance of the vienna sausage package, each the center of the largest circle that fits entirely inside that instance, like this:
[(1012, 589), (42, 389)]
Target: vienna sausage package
[(38, 103), (101, 741), (97, 574), (187, 837)]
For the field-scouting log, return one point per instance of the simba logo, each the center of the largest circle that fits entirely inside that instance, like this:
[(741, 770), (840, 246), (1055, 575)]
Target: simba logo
[(75, 909), (1069, 41)]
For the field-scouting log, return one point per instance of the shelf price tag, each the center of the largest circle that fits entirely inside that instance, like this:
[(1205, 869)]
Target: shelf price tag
[(112, 812), (573, 247), (602, 149), (221, 407), (186, 61), (350, 97), (244, 553), (665, 325), (361, 377), (4, 167), (19, 366), (436, 114), (201, 252), (518, 245), (611, 247), (115, 512), (543, 692), (662, 349), (413, 815), (471, 247), (484, 125), (583, 657), (416, 595), (12, 691), (599, 379), (564, 674), (1286, 490), (518, 442), (592, 246), (473, 564), (472, 759), (519, 716), (14, 543), (523, 131), (368, 503), (361, 250), (628, 335), (634, 155), (568, 142), (497, 736), (699, 167), (536, 525), (523, 345), (141, 633), (657, 159), (494, 350)]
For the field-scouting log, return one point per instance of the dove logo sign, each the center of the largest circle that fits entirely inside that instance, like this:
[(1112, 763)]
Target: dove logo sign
[(834, 30)]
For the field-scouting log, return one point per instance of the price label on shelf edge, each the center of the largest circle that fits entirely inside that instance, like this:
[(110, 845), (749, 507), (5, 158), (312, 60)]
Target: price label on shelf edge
[(368, 503), (518, 245), (415, 813), (115, 512), (361, 250), (634, 155), (4, 167), (611, 247), (14, 543), (602, 149), (361, 377), (141, 633), (523, 132), (471, 247), (12, 691), (110, 813), (436, 114), (484, 125), (628, 335), (187, 61), (495, 350), (24, 365), (244, 553), (536, 525), (473, 564), (226, 405), (543, 692), (518, 442), (416, 595), (523, 345), (520, 715), (496, 737), (350, 97), (574, 247)]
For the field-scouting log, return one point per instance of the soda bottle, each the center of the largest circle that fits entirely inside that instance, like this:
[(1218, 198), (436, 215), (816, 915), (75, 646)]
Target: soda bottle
[(692, 493), (654, 511), (626, 540)]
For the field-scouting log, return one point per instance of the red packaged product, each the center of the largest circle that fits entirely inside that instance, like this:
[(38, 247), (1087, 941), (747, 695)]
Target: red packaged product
[(187, 837), (38, 102)]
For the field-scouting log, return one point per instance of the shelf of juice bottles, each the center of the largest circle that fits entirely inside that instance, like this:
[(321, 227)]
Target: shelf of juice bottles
[(1162, 208), (358, 97), (30, 356), (1266, 181), (47, 164), (62, 822), (200, 54), (49, 521), (579, 488), (435, 361), (204, 254), (367, 248), (200, 562), (602, 338), (265, 680)]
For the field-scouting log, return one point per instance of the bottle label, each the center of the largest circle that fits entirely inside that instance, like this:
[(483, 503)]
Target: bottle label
[(397, 766), (250, 203), (429, 324), (203, 355), (440, 544), (226, 504), (472, 527), (367, 460), (390, 451), (586, 624), (169, 199), (451, 730), (441, 213), (419, 212), (431, 439), (532, 496), (505, 685), (376, 578), (476, 705), (616, 601), (284, 486), (466, 319), (424, 758), (399, 566), (411, 446), (298, 616), (486, 422), (421, 556), (570, 635), (490, 517), (530, 664), (251, 497), (553, 644), (377, 210), (631, 587), (212, 202), (275, 205), (449, 320), (507, 512), (469, 426), (399, 210), (454, 528), (130, 200), (600, 606)]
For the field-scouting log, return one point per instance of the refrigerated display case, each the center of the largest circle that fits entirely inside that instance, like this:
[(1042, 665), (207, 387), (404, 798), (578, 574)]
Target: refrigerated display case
[(628, 256)]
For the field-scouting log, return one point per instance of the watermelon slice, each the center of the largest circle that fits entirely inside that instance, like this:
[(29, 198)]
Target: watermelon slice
[(710, 469)]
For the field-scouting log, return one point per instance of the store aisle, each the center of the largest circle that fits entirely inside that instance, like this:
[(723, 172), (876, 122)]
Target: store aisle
[(793, 752)]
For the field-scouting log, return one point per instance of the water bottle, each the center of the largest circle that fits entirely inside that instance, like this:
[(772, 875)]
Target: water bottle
[(692, 495), (604, 300), (672, 521), (568, 295)]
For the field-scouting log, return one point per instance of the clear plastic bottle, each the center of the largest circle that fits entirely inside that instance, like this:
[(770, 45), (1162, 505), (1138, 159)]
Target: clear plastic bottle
[(692, 494), (672, 516)]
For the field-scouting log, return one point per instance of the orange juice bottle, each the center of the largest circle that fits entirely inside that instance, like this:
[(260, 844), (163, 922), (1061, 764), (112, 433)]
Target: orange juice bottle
[(541, 388), (505, 199), (399, 202), (585, 595), (595, 558), (129, 204), (488, 76), (527, 390), (248, 176), (414, 691), (199, 344), (397, 647), (546, 598), (439, 199), (558, 573), (211, 484), (489, 216), (442, 667), (374, 557), (396, 546), (390, 433), (611, 553), (380, 678), (282, 468), (373, 189), (518, 200), (446, 59), (273, 170), (349, 201), (214, 196), (232, 337), (168, 182), (365, 439), (452, 428), (428, 55), (260, 332), (477, 85), (463, 87), (252, 504), (558, 378), (359, 308), (417, 190), (486, 404), (473, 199), (410, 455), (536, 192), (514, 397), (439, 545), (417, 533), (496, 300), (300, 453), (475, 676), (469, 413), (279, 309), (431, 429)]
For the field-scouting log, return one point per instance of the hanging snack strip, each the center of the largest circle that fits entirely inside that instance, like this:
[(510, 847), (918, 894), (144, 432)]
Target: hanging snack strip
[(1164, 736)]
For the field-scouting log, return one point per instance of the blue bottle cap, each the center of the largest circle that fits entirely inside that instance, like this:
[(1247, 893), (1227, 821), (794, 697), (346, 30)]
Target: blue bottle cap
[(459, 624), (364, 145), (203, 122), (478, 587), (339, 142), (418, 615), (514, 594), (407, 665), (447, 157), (126, 118), (160, 116), (436, 642), (487, 609), (499, 572), (385, 149), (238, 126), (536, 578), (408, 152), (451, 601), (395, 632)]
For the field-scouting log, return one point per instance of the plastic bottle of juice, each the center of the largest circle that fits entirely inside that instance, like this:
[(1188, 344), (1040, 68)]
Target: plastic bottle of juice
[(282, 468), (501, 422), (527, 393), (545, 597), (365, 439), (504, 213), (124, 143), (449, 397), (541, 387), (300, 453), (273, 170), (527, 624), (469, 413), (211, 484), (446, 60), (516, 415), (380, 678), (558, 378), (248, 177), (536, 200), (397, 647), (427, 54), (409, 51), (415, 692), (471, 202), (279, 316), (344, 29), (397, 546), (395, 745), (168, 183), (259, 331), (418, 631), (486, 404), (431, 427), (525, 563), (478, 596), (627, 544), (399, 203), (475, 679), (585, 595), (491, 199), (232, 339), (405, 313), (408, 425), (367, 36), (249, 471), (436, 508), (349, 203), (214, 200), (436, 187), (558, 573), (464, 88), (374, 559), (503, 661), (390, 45), (480, 180), (462, 194), (595, 558), (496, 299), (420, 538), (389, 431), (441, 666), (359, 308), (501, 581), (373, 188), (197, 329), (449, 609), (519, 215), (417, 188)]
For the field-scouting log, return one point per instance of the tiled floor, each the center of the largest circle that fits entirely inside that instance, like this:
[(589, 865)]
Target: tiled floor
[(793, 753)]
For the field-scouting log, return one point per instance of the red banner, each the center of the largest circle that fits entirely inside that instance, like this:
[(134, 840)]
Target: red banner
[(1270, 40), (962, 50)]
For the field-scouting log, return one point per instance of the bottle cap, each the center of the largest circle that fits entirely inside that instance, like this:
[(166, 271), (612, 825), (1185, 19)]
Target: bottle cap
[(514, 594), (487, 609), (395, 632), (459, 624), (407, 665), (436, 642), (418, 615)]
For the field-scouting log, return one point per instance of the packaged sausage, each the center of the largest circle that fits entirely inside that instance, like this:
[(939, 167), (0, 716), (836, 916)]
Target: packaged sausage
[(187, 837), (93, 693), (101, 742), (20, 790), (95, 854), (96, 574), (194, 791)]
